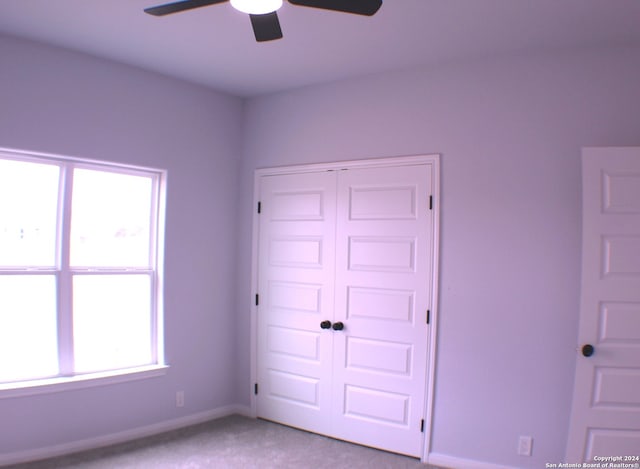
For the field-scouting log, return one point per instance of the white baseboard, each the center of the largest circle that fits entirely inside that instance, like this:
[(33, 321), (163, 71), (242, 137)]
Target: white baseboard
[(121, 437), (453, 462)]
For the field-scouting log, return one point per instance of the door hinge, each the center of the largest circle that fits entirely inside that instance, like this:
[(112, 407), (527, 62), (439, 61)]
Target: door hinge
[(430, 202), (428, 316), (257, 299), (255, 389), (422, 426), (259, 207)]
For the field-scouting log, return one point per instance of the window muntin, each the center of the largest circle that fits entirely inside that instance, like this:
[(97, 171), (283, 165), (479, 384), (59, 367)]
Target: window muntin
[(79, 277)]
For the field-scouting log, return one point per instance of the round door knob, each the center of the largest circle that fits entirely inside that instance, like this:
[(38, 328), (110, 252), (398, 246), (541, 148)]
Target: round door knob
[(325, 324), (588, 350), (338, 326)]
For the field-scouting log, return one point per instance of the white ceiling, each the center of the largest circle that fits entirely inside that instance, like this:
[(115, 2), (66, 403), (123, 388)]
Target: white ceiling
[(215, 46)]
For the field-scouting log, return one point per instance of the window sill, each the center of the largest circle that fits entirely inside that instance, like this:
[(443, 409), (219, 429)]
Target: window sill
[(51, 385)]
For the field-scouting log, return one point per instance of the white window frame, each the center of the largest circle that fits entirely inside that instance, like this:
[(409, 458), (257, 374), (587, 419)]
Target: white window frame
[(67, 378)]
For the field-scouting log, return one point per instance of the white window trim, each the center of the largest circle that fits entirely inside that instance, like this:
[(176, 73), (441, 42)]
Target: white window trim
[(68, 383), (65, 382)]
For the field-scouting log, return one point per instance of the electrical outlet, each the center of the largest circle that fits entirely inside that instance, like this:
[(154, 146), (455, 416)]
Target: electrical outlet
[(525, 444), (180, 399)]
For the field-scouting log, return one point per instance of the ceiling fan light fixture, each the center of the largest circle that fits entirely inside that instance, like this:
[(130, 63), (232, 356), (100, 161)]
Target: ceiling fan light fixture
[(256, 7)]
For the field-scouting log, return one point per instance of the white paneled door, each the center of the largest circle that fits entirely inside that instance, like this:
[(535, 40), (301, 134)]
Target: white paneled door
[(296, 291), (345, 276), (606, 404)]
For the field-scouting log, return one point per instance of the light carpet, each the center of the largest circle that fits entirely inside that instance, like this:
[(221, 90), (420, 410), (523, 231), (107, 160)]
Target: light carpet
[(233, 442)]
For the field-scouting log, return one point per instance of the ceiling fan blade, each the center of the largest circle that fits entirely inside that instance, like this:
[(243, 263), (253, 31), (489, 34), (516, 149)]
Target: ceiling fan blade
[(176, 7), (358, 7), (266, 27)]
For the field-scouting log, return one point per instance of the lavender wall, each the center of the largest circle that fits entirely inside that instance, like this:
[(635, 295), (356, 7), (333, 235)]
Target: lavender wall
[(510, 133), (61, 102)]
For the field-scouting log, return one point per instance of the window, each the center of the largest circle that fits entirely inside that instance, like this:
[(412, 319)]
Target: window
[(79, 279)]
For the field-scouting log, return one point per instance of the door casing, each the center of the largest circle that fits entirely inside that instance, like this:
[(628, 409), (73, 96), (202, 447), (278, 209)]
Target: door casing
[(431, 159)]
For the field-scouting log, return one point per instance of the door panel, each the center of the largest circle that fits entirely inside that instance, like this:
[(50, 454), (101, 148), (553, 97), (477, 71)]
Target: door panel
[(381, 303), (383, 272), (379, 355), (613, 442), (294, 296), (298, 206), (292, 343), (621, 255), (616, 388), (295, 389), (376, 407), (605, 417), (382, 203), (381, 254), (619, 322), (295, 281), (296, 251), (621, 192)]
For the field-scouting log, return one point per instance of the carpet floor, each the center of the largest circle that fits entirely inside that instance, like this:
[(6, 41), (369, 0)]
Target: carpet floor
[(232, 442)]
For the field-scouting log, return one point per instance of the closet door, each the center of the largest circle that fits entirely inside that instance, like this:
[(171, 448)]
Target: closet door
[(296, 293), (384, 252), (345, 270)]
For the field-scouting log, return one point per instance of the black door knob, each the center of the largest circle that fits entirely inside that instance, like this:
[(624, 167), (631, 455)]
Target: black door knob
[(338, 326), (325, 324), (588, 350)]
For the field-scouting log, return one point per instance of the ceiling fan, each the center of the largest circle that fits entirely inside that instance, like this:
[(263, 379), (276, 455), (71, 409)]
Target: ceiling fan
[(264, 19)]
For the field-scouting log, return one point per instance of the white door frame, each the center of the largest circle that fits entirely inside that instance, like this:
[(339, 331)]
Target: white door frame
[(432, 159)]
